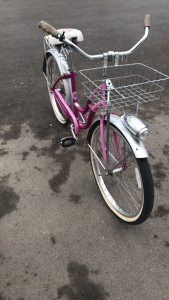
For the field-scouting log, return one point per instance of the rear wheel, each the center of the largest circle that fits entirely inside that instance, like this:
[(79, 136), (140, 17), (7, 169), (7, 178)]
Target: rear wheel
[(52, 74), (128, 190)]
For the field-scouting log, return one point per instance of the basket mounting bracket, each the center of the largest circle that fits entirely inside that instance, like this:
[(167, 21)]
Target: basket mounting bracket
[(105, 59), (116, 59)]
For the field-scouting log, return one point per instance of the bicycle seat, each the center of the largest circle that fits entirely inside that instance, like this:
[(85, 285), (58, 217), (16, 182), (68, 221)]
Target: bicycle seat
[(69, 34)]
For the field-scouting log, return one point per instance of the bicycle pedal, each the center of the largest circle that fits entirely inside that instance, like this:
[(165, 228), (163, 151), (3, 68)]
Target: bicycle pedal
[(68, 141)]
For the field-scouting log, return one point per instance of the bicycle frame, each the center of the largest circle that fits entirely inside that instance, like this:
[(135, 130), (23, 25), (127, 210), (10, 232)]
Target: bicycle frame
[(91, 109), (119, 140), (72, 111)]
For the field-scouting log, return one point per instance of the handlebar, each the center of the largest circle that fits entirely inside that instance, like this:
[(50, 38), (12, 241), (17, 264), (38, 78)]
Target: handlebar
[(147, 21), (49, 29), (55, 33)]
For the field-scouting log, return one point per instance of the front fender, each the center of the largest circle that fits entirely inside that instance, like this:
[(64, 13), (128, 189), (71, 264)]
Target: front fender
[(136, 145)]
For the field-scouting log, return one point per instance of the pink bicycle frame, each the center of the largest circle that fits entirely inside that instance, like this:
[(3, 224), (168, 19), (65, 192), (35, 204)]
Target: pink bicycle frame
[(66, 110), (91, 109)]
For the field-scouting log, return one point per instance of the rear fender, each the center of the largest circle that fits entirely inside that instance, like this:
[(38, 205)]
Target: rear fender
[(64, 68), (136, 145)]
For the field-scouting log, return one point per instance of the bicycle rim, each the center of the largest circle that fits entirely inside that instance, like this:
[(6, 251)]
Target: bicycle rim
[(53, 73), (123, 190)]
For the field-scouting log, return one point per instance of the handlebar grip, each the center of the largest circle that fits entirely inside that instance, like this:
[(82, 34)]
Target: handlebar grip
[(147, 21), (49, 29)]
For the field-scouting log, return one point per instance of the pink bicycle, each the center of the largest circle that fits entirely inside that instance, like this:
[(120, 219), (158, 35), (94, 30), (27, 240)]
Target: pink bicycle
[(118, 155)]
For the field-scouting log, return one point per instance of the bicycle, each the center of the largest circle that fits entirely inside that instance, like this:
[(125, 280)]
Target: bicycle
[(117, 153)]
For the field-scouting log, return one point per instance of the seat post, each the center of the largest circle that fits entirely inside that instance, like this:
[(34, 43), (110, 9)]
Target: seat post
[(70, 59)]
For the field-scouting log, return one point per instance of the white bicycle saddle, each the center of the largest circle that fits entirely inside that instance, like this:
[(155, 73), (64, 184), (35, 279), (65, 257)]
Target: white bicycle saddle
[(69, 34)]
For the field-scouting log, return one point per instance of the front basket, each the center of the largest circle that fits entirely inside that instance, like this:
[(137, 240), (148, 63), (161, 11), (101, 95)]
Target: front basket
[(132, 84)]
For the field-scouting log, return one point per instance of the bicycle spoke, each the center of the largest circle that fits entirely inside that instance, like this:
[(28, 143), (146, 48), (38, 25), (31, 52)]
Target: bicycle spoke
[(121, 188)]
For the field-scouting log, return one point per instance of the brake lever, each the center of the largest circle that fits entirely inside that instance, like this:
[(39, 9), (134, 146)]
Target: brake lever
[(62, 36)]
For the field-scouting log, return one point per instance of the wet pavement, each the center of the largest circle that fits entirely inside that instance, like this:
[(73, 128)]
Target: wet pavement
[(58, 239)]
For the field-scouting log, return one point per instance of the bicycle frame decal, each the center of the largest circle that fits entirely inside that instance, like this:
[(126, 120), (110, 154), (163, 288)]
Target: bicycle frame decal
[(74, 96)]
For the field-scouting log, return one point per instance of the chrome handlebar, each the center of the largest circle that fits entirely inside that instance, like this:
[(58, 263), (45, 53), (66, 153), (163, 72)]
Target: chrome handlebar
[(110, 53)]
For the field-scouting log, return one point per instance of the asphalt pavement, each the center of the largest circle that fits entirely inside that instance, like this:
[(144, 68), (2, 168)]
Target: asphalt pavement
[(58, 238)]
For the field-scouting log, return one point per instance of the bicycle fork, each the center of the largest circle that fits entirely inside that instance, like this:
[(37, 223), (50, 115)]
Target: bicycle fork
[(105, 150), (105, 146)]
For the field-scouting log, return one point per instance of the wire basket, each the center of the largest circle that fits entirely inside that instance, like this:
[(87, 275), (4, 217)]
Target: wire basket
[(132, 84)]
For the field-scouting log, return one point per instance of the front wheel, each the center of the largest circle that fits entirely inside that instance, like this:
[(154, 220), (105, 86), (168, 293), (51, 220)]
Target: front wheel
[(128, 189)]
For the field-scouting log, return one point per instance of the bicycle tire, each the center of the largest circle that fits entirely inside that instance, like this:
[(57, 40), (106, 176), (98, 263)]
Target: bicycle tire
[(129, 193), (52, 74)]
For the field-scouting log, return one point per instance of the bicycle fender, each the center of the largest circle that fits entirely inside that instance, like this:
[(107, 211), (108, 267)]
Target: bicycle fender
[(62, 63), (64, 68), (136, 145)]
